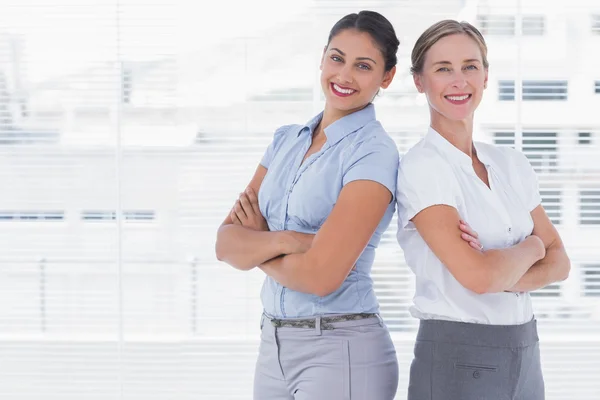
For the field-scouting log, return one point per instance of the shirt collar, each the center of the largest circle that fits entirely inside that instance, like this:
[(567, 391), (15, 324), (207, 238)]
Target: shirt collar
[(345, 125), (452, 152)]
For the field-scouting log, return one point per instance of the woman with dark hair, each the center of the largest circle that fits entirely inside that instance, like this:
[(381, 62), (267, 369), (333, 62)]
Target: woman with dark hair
[(311, 219)]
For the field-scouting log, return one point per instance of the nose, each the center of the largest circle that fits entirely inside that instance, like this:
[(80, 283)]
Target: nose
[(345, 74), (459, 81)]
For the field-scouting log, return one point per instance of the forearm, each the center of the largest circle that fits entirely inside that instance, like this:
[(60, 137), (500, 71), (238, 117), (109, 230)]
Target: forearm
[(244, 248), (554, 267), (292, 271), (505, 267)]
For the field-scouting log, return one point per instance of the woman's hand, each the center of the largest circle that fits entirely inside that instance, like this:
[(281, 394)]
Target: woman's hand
[(246, 212), (470, 236)]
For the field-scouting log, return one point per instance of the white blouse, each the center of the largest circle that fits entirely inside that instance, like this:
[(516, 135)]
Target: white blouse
[(435, 172)]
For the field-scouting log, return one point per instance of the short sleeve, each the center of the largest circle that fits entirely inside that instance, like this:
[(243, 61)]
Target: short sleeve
[(374, 159), (529, 180), (423, 181), (278, 137)]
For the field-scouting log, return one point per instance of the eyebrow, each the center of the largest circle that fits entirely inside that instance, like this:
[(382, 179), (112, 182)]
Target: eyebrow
[(465, 61), (358, 58)]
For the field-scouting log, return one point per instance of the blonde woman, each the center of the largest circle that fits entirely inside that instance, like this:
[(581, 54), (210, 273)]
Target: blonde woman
[(477, 337)]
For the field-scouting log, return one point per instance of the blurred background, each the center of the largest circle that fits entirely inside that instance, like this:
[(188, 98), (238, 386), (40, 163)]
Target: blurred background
[(128, 128)]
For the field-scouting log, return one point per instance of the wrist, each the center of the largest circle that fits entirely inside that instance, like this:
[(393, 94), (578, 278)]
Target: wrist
[(538, 247), (281, 241)]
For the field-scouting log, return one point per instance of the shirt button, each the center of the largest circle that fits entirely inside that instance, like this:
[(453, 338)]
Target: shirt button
[(509, 229), (476, 374)]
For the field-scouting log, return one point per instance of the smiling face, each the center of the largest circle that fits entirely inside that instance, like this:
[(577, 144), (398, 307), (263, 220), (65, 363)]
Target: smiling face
[(352, 71), (453, 77)]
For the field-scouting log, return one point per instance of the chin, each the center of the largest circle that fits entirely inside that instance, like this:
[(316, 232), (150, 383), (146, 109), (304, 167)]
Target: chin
[(458, 116), (341, 105)]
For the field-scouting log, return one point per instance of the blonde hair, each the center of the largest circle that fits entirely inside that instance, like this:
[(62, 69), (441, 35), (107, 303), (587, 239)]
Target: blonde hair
[(440, 30)]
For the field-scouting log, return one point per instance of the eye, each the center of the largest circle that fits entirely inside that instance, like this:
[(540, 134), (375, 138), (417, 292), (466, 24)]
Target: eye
[(365, 67), (471, 67), (443, 69), (336, 58)]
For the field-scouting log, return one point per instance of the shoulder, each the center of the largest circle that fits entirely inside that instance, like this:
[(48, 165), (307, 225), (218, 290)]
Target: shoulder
[(373, 138), (287, 130), (423, 158), (285, 134), (506, 158), (425, 179)]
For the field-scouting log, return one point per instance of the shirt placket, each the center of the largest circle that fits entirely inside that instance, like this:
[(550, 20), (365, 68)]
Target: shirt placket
[(289, 187), (509, 236), (501, 207)]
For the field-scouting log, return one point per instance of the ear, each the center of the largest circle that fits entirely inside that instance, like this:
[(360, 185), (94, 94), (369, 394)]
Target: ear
[(485, 81), (323, 57), (418, 82), (388, 77)]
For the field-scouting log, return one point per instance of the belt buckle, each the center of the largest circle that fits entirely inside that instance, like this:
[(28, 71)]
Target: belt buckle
[(276, 323)]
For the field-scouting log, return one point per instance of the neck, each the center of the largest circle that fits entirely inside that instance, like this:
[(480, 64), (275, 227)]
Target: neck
[(457, 132), (330, 115)]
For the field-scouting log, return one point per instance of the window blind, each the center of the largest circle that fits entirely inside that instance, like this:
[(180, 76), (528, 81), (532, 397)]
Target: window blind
[(128, 128)]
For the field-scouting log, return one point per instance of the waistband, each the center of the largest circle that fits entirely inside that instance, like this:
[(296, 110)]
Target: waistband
[(434, 330), (328, 322)]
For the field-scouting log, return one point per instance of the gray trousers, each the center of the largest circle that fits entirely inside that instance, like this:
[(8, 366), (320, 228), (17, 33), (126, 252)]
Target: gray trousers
[(462, 361), (354, 361)]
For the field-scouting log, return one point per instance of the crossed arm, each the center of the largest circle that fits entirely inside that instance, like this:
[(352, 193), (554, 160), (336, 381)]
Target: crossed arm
[(244, 247), (537, 261), (555, 265), (316, 264)]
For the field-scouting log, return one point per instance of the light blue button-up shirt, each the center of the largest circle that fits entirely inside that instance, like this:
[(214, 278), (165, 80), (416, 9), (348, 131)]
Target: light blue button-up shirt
[(300, 196)]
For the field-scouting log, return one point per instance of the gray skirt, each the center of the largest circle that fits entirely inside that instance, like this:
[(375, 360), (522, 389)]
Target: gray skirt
[(465, 361)]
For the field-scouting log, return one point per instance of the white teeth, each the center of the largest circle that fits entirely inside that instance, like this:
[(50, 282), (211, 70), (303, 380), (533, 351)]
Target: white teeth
[(345, 91), (458, 98)]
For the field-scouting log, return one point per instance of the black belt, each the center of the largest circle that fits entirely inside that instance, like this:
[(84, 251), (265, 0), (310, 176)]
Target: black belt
[(326, 322)]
